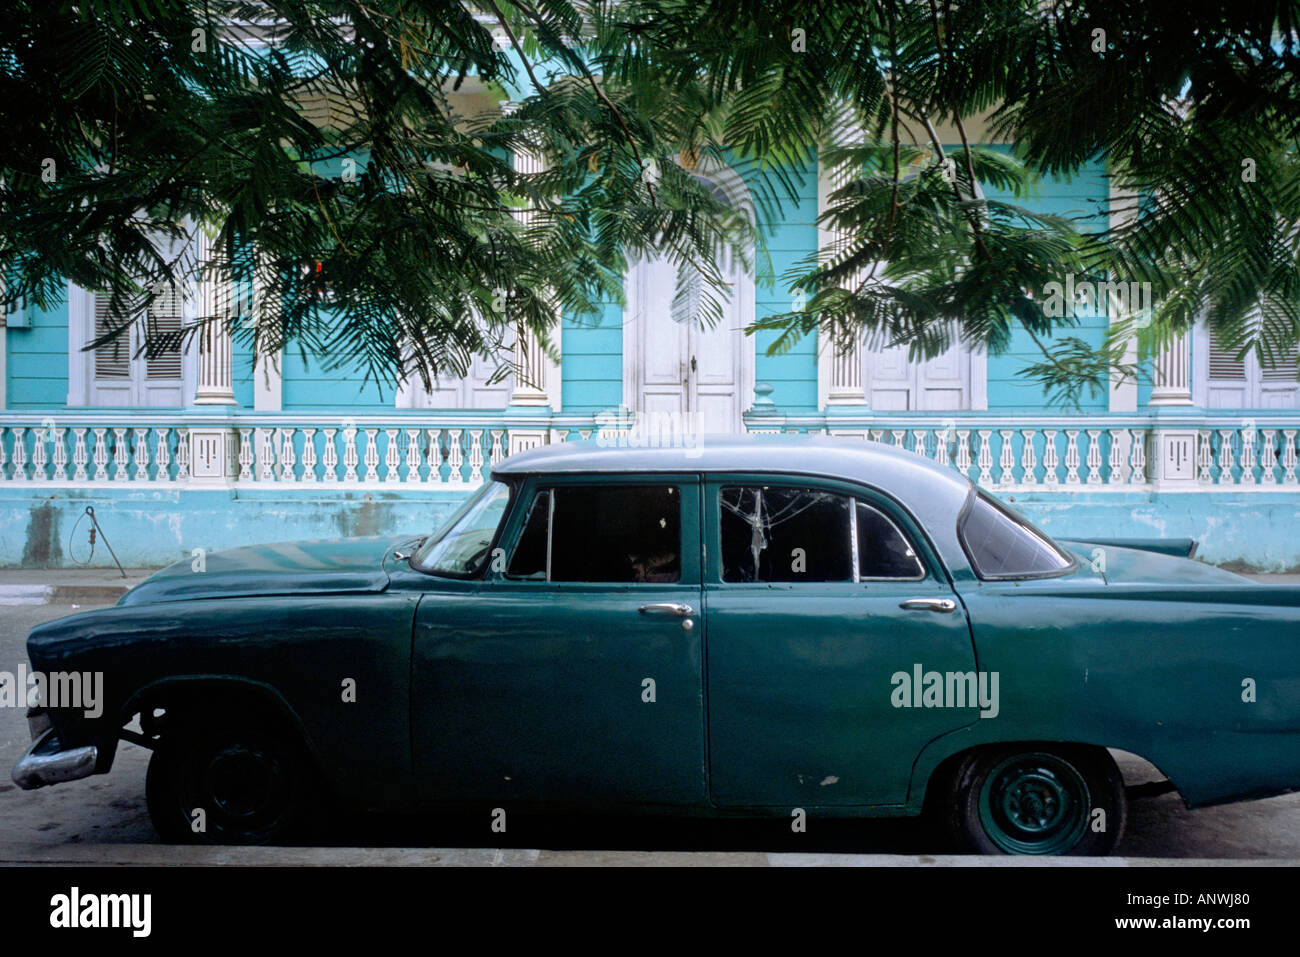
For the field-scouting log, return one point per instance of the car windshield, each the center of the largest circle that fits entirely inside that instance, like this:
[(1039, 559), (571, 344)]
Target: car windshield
[(463, 544)]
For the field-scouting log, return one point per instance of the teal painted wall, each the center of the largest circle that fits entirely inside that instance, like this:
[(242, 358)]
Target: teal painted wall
[(1083, 198), (149, 529), (242, 374), (790, 236), (36, 366), (309, 387), (591, 361)]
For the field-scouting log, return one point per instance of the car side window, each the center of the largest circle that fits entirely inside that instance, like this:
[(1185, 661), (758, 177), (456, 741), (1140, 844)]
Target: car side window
[(601, 533), (776, 534), (771, 533), (883, 551)]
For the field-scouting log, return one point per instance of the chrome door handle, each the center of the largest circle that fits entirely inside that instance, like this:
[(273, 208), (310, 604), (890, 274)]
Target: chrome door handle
[(929, 604), (676, 609)]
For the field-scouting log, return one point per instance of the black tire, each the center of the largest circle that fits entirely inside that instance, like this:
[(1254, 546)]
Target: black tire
[(1037, 799), (253, 784)]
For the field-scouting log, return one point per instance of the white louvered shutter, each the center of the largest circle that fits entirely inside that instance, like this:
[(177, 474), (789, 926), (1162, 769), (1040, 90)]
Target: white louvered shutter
[(1285, 368), (165, 320), (1224, 364), (112, 359)]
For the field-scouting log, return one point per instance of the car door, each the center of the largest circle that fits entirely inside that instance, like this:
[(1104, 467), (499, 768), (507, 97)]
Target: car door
[(574, 672), (821, 601)]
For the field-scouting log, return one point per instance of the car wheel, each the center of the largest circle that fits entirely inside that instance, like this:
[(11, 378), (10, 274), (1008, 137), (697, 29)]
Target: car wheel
[(239, 785), (1029, 800)]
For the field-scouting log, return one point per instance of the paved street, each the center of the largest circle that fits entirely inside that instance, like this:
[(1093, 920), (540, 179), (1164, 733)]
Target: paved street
[(110, 809)]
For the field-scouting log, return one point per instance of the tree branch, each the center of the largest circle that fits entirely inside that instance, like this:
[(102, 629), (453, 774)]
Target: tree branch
[(600, 95)]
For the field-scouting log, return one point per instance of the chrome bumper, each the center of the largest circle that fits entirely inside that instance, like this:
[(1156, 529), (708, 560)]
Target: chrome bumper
[(46, 763)]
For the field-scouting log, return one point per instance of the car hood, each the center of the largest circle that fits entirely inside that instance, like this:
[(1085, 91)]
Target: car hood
[(1136, 566), (327, 566)]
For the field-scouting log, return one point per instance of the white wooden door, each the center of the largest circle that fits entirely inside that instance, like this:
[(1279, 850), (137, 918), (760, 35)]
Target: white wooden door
[(1243, 383), (895, 384), (685, 369), (474, 391)]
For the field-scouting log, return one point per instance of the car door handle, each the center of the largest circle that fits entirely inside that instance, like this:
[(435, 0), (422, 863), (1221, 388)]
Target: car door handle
[(929, 604), (676, 609)]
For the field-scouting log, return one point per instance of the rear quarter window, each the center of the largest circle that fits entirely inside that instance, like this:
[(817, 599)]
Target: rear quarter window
[(1001, 544)]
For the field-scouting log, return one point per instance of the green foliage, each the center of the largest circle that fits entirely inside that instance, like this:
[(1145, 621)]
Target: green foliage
[(163, 117)]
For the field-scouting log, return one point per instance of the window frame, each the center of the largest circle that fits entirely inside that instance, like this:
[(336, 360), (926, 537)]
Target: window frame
[(1255, 388), (689, 487), (877, 500)]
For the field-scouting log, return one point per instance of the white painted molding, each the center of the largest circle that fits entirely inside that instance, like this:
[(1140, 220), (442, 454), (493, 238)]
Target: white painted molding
[(268, 383), (1122, 396), (979, 380), (80, 364)]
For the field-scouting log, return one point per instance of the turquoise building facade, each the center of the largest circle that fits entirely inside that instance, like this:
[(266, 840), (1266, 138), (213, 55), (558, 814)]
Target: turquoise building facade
[(208, 448)]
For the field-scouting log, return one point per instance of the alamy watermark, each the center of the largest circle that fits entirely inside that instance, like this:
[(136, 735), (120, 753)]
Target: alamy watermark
[(950, 689), (1105, 297), (623, 429), (59, 689), (75, 909)]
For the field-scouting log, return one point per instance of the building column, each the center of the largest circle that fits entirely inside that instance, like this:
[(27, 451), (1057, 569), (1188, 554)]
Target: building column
[(1173, 450), (844, 380), (533, 368), (216, 354), (839, 371)]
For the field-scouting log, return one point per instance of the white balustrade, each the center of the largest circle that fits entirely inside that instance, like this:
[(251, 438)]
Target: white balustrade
[(1004, 452)]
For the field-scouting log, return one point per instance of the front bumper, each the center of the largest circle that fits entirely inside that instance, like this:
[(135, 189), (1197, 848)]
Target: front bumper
[(46, 762)]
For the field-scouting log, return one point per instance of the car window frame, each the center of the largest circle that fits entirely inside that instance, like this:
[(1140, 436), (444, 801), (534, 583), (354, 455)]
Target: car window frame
[(689, 485), (876, 499)]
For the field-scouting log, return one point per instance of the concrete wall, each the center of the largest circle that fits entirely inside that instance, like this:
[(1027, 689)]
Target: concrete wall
[(151, 528)]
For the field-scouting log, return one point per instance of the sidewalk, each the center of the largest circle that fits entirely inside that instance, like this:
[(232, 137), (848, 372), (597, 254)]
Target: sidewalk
[(63, 586)]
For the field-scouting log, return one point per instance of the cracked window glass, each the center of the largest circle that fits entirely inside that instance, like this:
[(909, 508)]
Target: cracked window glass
[(777, 534)]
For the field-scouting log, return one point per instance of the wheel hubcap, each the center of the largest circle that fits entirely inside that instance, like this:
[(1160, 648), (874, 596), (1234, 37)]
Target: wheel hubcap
[(245, 789), (240, 781), (1034, 804)]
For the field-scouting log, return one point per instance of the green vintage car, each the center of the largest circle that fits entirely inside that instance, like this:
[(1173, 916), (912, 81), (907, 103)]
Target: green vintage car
[(757, 626)]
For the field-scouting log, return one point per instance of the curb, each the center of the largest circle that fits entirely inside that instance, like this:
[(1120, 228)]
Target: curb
[(154, 855), (25, 594)]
